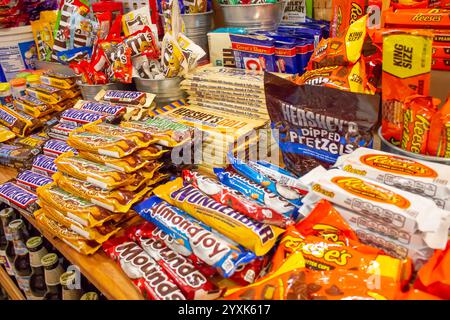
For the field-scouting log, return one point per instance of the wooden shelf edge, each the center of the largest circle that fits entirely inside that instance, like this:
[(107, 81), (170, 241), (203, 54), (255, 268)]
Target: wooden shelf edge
[(10, 287)]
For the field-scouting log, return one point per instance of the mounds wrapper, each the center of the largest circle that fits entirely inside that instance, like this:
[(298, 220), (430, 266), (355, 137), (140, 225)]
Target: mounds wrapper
[(428, 179), (396, 208), (253, 235), (439, 135), (315, 125), (406, 72), (193, 237)]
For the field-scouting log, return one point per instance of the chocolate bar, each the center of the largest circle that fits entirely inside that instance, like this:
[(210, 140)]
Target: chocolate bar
[(31, 180), (136, 98), (113, 112), (44, 165), (32, 106), (54, 147), (62, 130), (18, 198), (80, 117)]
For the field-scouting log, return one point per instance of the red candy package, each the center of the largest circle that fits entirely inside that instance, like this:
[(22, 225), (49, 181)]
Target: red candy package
[(250, 272), (439, 136), (189, 279), (142, 42), (235, 200), (145, 272)]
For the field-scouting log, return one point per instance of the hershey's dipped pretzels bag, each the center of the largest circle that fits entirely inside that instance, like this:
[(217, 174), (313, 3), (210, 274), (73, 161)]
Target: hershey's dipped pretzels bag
[(314, 125)]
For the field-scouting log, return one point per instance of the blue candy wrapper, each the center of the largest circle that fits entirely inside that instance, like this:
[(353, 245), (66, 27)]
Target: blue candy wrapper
[(76, 54), (256, 192), (254, 52), (286, 56), (195, 236)]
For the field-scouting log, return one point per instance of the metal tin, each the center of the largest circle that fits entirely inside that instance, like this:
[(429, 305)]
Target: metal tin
[(166, 90), (254, 17), (388, 147)]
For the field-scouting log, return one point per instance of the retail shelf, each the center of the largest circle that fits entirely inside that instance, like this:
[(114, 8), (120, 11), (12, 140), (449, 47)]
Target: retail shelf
[(7, 173), (10, 287)]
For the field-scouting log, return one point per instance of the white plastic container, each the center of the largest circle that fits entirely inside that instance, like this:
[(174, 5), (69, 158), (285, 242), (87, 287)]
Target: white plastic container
[(17, 51)]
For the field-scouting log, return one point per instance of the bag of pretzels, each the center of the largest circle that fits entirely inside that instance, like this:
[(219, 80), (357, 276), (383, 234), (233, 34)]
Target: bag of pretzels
[(314, 125)]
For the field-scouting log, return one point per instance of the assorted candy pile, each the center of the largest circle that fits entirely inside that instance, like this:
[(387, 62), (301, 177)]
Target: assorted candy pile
[(15, 13)]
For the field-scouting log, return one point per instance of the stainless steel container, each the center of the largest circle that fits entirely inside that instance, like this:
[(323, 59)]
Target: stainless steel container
[(89, 91), (254, 17), (388, 147), (166, 90)]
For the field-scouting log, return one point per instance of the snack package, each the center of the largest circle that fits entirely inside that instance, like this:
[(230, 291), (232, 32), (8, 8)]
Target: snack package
[(254, 52), (438, 138), (32, 106), (193, 284), (78, 209), (113, 112), (71, 238), (58, 80), (315, 125), (135, 98), (235, 200), (406, 72), (97, 174), (54, 148), (192, 53), (418, 112), (31, 180), (418, 18), (143, 270), (397, 208), (80, 117), (18, 122), (255, 236), (44, 165), (427, 179), (62, 130), (17, 156), (137, 20), (118, 201), (172, 58), (193, 237), (32, 141), (141, 138), (258, 177), (6, 134), (340, 51), (433, 277), (19, 198)]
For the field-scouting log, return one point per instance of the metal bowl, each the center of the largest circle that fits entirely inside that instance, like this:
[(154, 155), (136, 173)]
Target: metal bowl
[(389, 147), (89, 91), (166, 90), (254, 17), (197, 21)]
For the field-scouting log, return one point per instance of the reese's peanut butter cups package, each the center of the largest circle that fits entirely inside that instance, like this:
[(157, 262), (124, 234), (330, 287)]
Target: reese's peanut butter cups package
[(406, 71), (315, 125), (439, 136)]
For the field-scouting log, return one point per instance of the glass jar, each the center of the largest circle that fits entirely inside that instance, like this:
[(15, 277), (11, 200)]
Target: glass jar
[(68, 283), (89, 296), (6, 97), (6, 216), (37, 250), (18, 87), (52, 271)]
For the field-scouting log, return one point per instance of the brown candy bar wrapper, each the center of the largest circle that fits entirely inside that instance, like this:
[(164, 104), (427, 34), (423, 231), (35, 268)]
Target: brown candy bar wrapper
[(127, 164), (315, 125), (18, 122)]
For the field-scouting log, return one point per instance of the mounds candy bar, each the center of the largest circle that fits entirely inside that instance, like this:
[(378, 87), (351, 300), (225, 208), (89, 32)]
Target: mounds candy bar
[(98, 234), (235, 200), (18, 122), (18, 197), (143, 139), (258, 177), (253, 235), (273, 286), (118, 201), (168, 132), (142, 99), (418, 112), (112, 146), (340, 51), (71, 238), (314, 125), (127, 164), (194, 236), (78, 209), (54, 148), (32, 180), (17, 156), (439, 136), (44, 165), (58, 80), (62, 130), (140, 267), (113, 112), (428, 179), (97, 174), (397, 208), (406, 72), (193, 284), (80, 117), (440, 64), (256, 192), (254, 52), (418, 18), (32, 106), (347, 78)]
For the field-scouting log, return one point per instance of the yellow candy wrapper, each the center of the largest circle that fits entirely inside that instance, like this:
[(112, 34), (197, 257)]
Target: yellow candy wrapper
[(255, 236), (6, 134)]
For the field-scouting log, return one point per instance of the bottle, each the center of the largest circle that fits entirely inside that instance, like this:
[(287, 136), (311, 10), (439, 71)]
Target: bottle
[(37, 251), (52, 271), (21, 264), (91, 295), (18, 87), (68, 283), (6, 98), (6, 216)]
